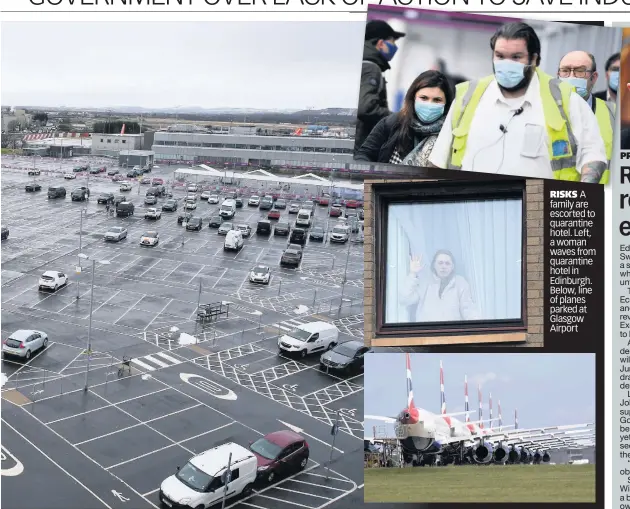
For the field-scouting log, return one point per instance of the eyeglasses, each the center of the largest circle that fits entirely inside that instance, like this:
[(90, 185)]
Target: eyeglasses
[(578, 72)]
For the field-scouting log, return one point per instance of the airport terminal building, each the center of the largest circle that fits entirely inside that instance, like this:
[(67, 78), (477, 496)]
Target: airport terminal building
[(221, 149)]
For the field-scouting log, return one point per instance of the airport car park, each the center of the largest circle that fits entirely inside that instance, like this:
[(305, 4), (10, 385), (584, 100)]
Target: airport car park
[(157, 398)]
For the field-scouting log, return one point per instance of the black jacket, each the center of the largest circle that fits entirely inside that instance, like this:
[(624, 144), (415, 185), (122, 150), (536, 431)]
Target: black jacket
[(372, 94), (601, 95), (381, 143), (624, 139)]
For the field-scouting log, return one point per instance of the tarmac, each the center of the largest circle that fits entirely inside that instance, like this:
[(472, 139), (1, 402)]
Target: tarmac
[(113, 444)]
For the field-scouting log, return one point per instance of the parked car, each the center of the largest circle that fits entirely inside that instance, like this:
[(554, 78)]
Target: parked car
[(94, 171), (193, 188), (253, 201), (352, 204), (205, 195), (156, 190), (119, 199), (309, 338), (5, 233), (80, 194), (153, 213), (200, 482), (78, 169), (233, 241), (245, 229), (280, 454), (317, 233), (31, 188), (125, 186), (194, 223), (323, 201), (52, 280), (282, 228), (132, 174), (151, 238), (150, 199), (157, 182), (190, 204), (145, 180), (225, 228), (266, 203), (213, 198), (273, 214), (260, 274), (105, 198), (263, 227), (298, 236), (69, 176), (115, 234), (294, 208), (22, 343), (346, 356), (340, 233), (184, 217), (239, 203), (169, 205), (335, 211), (113, 172), (33, 172), (361, 214), (125, 209), (281, 204), (56, 192), (215, 221), (291, 256)]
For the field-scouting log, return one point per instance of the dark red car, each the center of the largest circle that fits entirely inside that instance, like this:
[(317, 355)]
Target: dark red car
[(335, 212), (102, 169), (324, 201), (352, 204), (279, 454), (158, 182), (273, 214)]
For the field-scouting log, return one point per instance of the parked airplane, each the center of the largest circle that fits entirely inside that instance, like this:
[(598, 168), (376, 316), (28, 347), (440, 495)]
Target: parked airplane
[(427, 438)]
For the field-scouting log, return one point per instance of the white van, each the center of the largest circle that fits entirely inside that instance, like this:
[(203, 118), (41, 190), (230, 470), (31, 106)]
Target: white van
[(304, 218), (228, 209), (201, 481), (233, 241), (309, 338), (340, 233)]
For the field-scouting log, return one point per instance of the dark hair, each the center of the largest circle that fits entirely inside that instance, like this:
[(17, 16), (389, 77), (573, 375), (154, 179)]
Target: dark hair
[(519, 30), (611, 59), (442, 252), (407, 114)]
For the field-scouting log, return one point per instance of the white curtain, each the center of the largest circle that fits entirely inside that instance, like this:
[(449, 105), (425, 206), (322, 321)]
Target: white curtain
[(485, 238)]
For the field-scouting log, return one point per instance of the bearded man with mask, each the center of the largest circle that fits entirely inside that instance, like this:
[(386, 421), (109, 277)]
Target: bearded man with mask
[(521, 121), (578, 68), (378, 50)]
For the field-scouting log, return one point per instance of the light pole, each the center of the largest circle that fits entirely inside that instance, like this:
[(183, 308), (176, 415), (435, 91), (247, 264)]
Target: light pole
[(345, 272), (80, 247), (89, 338)]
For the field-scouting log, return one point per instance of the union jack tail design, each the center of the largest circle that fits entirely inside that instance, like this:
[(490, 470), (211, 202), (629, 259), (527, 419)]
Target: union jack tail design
[(122, 131), (443, 396), (466, 407), (490, 408), (480, 407), (410, 402), (500, 416)]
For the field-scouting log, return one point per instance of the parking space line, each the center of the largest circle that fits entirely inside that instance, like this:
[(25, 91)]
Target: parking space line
[(192, 278), (150, 492), (253, 505), (260, 254), (215, 284), (128, 265), (302, 493), (330, 477), (136, 425), (100, 408), (161, 311), (210, 431), (318, 485), (19, 294), (26, 364), (152, 266), (117, 292), (285, 501), (142, 456), (130, 308), (57, 464), (178, 266)]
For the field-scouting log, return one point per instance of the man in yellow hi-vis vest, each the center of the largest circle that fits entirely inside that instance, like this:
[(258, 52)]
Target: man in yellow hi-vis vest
[(520, 121), (579, 69)]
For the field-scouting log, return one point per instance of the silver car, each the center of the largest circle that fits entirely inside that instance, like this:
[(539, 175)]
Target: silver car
[(116, 234), (22, 343)]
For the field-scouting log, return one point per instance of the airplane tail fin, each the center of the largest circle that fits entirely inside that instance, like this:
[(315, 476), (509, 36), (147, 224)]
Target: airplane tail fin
[(500, 416), (466, 397), (490, 408), (480, 406), (515, 418), (410, 402), (442, 395)]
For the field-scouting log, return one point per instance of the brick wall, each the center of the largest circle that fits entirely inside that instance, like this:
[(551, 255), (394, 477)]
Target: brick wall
[(534, 262)]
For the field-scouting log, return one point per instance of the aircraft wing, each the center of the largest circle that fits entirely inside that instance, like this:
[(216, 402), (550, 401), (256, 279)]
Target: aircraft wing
[(389, 420), (530, 433)]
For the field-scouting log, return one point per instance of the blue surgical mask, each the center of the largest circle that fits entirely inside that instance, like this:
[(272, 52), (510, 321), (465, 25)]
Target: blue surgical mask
[(391, 50), (509, 73), (613, 81), (580, 84), (428, 112)]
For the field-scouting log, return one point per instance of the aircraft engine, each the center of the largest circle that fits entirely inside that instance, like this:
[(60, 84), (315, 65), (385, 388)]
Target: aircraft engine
[(525, 456), (537, 457), (501, 454), (514, 455), (546, 457), (482, 452)]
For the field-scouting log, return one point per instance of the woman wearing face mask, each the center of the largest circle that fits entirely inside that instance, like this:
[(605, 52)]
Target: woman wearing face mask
[(408, 136), (442, 296)]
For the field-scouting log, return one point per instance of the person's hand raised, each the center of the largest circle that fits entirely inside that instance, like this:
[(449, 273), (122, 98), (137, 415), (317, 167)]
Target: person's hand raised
[(415, 264)]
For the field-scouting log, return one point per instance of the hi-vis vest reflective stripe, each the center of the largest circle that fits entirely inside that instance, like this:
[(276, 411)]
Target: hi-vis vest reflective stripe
[(605, 115), (555, 101)]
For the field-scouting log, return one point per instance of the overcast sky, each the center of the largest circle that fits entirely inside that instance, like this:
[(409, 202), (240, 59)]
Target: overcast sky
[(547, 389), (262, 65)]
